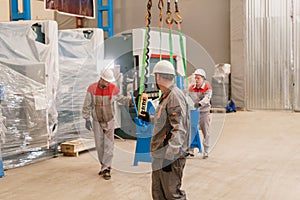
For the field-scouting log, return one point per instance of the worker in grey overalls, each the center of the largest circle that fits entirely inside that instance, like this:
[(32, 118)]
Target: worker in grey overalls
[(201, 93), (99, 103), (170, 138)]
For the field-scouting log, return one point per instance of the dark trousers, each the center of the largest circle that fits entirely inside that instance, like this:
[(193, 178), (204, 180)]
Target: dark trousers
[(166, 185)]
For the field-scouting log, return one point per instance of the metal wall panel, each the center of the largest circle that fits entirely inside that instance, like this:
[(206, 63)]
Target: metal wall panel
[(268, 54), (296, 43)]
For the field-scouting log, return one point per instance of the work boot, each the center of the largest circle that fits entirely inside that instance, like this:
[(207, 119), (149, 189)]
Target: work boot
[(106, 174), (190, 153)]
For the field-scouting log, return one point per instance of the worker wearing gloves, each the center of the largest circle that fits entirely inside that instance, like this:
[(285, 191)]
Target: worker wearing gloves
[(170, 138), (201, 93), (99, 103)]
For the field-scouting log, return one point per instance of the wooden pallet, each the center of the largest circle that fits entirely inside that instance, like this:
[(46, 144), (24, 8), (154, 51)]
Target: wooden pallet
[(218, 110), (72, 148)]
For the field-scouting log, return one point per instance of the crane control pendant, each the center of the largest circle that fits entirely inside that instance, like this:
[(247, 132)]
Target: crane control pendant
[(143, 104)]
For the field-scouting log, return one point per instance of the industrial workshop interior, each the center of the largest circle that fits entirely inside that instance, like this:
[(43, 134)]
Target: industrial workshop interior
[(86, 84)]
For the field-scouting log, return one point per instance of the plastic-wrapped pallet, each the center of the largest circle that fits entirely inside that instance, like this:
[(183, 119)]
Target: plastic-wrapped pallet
[(221, 86), (80, 61), (29, 70)]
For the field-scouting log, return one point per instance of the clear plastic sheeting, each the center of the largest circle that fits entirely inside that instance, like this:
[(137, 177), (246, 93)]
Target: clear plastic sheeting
[(2, 118), (221, 85), (80, 60), (29, 72)]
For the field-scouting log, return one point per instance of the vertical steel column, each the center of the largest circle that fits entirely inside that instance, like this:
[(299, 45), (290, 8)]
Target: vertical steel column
[(110, 17), (15, 14)]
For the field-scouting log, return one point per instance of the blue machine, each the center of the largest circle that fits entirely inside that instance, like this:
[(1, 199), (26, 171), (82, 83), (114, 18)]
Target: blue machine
[(144, 134), (180, 82), (195, 136), (195, 117), (144, 130)]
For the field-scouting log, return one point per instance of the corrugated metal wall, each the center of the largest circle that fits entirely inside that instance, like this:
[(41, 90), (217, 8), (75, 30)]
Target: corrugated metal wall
[(296, 43), (268, 72)]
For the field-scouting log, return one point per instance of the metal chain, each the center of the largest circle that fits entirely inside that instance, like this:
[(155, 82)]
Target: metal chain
[(160, 7), (169, 19), (148, 14), (178, 18), (144, 78)]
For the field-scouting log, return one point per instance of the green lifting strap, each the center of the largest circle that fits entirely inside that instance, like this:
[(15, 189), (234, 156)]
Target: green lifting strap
[(160, 7), (178, 21), (160, 43), (182, 49), (171, 45), (169, 21)]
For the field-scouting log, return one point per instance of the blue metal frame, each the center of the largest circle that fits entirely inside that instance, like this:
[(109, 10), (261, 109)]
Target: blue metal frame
[(110, 24), (144, 135), (16, 15), (1, 166), (195, 134), (180, 82)]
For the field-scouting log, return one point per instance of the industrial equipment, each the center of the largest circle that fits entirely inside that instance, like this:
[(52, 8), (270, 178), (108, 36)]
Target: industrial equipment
[(29, 66), (126, 51), (80, 61)]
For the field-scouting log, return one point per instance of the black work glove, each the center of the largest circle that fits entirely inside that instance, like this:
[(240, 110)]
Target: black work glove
[(144, 116), (197, 105), (88, 125), (167, 165)]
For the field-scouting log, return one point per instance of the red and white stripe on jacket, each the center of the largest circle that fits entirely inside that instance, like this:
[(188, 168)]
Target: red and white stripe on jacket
[(99, 102), (201, 95)]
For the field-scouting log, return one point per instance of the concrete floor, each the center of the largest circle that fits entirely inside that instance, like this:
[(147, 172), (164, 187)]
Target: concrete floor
[(257, 156)]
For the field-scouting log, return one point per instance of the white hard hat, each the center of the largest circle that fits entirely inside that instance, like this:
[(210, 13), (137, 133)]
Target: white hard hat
[(164, 67), (108, 75), (200, 72)]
